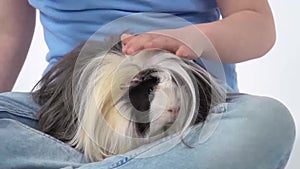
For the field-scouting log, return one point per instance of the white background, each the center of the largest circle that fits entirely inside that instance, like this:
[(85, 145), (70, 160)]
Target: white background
[(274, 75)]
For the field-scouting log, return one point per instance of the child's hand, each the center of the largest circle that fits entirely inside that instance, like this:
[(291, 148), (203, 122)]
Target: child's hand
[(187, 42), (135, 43)]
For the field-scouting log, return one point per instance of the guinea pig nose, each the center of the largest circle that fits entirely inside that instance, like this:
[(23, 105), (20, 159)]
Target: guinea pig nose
[(174, 111)]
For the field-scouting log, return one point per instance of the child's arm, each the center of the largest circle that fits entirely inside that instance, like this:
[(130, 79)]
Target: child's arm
[(246, 32), (17, 21)]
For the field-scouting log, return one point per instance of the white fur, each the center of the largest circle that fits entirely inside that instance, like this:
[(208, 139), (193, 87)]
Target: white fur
[(105, 127)]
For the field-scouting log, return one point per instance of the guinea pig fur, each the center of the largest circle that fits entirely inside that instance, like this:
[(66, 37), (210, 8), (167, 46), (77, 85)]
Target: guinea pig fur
[(104, 103)]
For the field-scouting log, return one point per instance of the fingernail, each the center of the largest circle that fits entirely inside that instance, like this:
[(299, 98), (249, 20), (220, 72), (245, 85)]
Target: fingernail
[(124, 36)]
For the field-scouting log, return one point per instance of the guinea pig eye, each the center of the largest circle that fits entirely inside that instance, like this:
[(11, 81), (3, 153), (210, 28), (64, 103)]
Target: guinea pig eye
[(150, 90)]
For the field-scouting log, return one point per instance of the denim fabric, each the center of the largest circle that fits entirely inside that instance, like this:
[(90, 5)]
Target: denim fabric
[(20, 107), (247, 132)]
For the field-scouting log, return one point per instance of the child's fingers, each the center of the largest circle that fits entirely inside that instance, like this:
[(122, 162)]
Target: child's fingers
[(164, 43), (136, 43), (150, 40), (125, 38), (185, 52)]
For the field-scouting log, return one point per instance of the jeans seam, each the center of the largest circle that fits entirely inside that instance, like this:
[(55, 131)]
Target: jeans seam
[(25, 114), (18, 102), (17, 110), (126, 159)]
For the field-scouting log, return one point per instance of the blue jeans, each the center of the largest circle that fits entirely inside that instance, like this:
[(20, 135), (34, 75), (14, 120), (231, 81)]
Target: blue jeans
[(247, 132)]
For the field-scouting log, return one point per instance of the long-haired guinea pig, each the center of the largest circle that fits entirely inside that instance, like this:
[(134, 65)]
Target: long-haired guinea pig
[(103, 102)]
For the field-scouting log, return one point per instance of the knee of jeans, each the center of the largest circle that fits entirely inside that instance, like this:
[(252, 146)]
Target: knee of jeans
[(273, 120)]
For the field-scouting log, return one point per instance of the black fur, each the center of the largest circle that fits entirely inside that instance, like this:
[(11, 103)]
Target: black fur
[(141, 94), (54, 93)]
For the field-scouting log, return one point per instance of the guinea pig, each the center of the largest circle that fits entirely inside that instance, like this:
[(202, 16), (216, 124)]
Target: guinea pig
[(104, 103)]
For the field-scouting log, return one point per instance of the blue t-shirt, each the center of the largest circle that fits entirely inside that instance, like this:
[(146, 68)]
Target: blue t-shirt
[(67, 23)]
